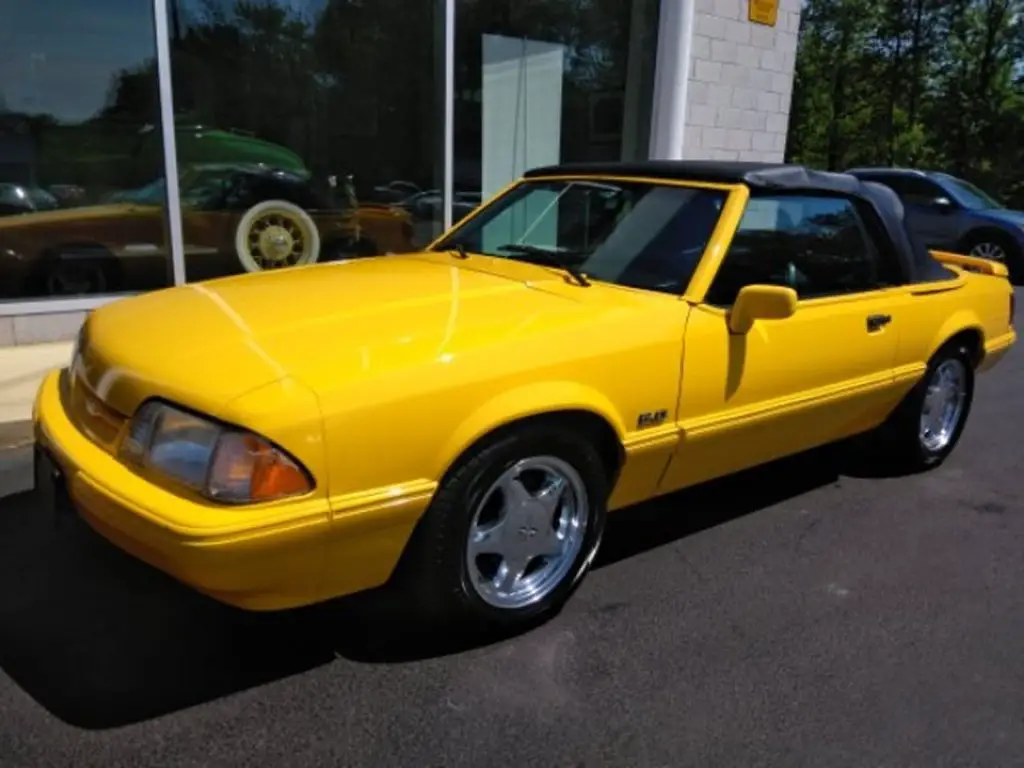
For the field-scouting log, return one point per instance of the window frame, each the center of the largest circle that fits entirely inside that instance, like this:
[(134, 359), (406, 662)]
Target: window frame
[(870, 224)]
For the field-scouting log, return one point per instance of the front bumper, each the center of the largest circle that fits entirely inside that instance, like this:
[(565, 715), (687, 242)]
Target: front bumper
[(260, 558)]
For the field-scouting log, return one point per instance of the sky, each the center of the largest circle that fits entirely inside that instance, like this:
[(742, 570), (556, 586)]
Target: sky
[(59, 56)]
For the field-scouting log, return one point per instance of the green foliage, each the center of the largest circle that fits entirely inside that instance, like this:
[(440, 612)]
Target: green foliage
[(935, 84)]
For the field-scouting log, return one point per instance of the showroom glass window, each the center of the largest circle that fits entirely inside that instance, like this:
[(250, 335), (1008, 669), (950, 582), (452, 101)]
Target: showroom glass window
[(307, 130), (79, 140), (549, 81)]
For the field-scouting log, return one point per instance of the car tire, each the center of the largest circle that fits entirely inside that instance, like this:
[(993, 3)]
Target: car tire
[(286, 212), (456, 567), (907, 439), (982, 243), (78, 271)]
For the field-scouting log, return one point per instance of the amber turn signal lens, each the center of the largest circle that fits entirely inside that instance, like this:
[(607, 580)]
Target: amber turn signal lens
[(248, 469)]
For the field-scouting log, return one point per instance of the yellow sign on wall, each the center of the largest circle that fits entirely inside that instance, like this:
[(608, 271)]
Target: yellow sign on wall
[(764, 12)]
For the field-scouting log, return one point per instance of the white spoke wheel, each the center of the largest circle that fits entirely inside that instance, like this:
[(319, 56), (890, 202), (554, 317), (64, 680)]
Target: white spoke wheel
[(276, 234), (513, 527)]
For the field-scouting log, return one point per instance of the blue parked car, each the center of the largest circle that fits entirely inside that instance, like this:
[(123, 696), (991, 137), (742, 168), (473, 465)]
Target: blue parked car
[(952, 214)]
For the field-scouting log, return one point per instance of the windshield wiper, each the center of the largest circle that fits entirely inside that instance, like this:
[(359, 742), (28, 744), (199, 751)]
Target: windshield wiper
[(553, 257)]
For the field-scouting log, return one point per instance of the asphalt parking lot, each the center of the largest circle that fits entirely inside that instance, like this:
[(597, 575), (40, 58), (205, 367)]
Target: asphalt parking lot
[(799, 615)]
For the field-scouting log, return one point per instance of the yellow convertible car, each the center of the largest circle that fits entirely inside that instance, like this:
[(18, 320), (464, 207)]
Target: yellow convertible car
[(458, 422)]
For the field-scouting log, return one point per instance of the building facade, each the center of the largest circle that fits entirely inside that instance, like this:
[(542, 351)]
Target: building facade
[(148, 144)]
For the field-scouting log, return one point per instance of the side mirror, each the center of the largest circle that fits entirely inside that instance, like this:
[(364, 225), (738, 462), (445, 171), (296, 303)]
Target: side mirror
[(943, 204), (761, 302)]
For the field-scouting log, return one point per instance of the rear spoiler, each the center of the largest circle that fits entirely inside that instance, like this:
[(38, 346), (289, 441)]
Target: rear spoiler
[(971, 263)]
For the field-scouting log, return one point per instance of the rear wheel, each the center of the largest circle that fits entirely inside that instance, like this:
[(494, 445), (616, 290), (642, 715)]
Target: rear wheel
[(77, 278), (928, 424), (511, 531), (77, 270)]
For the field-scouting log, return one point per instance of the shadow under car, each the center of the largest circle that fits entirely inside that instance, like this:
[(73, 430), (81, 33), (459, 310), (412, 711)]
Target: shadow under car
[(102, 640)]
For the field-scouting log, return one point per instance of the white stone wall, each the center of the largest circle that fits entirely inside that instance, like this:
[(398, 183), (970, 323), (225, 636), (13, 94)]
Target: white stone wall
[(741, 82), (39, 329)]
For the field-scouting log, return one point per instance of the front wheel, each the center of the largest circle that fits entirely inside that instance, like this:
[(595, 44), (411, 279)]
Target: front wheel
[(511, 531), (928, 424)]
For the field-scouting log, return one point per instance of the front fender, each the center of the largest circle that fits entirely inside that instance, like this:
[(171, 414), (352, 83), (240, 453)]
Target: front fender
[(521, 403)]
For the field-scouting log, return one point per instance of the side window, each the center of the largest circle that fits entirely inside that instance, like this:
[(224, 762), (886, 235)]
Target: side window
[(240, 192), (819, 246), (913, 190)]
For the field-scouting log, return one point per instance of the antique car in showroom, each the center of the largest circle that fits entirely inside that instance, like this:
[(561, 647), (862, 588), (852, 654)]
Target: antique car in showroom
[(456, 424), (235, 218)]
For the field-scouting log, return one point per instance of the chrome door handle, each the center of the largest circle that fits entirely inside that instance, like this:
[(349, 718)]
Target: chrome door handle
[(877, 322)]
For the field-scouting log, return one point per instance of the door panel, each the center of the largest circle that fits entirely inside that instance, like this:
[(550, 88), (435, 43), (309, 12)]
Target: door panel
[(937, 229), (786, 386)]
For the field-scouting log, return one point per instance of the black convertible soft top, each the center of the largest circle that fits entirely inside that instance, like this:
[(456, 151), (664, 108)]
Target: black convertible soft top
[(779, 178)]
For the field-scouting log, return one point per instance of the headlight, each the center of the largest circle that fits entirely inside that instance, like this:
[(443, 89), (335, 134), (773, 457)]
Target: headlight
[(221, 463)]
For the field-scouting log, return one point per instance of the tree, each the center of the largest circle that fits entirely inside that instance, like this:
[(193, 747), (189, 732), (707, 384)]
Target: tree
[(922, 83)]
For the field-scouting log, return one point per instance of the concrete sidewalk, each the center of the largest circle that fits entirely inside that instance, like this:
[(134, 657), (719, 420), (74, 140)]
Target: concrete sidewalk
[(22, 368)]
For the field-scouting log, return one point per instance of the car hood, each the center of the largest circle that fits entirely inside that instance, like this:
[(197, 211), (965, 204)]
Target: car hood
[(205, 344)]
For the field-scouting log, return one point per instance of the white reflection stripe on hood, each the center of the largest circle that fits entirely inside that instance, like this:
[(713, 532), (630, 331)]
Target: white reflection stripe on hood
[(242, 326)]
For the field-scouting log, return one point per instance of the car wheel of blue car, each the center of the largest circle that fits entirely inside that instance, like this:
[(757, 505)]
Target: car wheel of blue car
[(512, 529), (997, 247), (989, 250)]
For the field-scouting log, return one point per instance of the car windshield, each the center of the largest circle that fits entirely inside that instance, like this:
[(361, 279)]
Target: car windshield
[(203, 188), (198, 188), (641, 235), (151, 194), (969, 195)]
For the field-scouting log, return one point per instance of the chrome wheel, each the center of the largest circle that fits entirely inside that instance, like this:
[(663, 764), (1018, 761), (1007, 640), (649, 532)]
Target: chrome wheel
[(527, 532), (991, 251), (943, 405)]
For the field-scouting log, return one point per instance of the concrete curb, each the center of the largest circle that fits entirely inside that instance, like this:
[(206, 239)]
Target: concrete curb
[(21, 371), (16, 470), (15, 434)]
